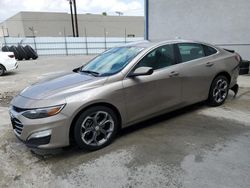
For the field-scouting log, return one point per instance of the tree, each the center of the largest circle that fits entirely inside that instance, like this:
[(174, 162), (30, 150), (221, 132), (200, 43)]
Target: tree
[(104, 14)]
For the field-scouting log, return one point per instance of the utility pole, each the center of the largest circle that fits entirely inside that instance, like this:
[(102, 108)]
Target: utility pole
[(72, 18), (76, 22)]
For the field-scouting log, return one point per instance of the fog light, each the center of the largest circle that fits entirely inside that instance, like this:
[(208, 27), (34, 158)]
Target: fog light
[(40, 134)]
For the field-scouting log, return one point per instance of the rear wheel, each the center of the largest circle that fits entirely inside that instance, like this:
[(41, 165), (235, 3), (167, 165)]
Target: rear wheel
[(218, 91), (96, 128), (2, 70)]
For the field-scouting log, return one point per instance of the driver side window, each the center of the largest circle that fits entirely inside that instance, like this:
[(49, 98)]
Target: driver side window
[(160, 57)]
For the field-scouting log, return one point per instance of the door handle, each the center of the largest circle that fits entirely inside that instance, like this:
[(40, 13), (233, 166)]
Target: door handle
[(209, 64), (174, 74)]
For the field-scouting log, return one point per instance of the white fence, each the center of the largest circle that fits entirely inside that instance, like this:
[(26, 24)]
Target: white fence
[(68, 45)]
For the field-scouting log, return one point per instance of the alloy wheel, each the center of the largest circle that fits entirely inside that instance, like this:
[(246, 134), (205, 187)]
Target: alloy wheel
[(97, 128), (220, 90)]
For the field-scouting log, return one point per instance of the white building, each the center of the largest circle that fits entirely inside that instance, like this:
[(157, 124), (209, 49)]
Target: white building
[(56, 24), (222, 22)]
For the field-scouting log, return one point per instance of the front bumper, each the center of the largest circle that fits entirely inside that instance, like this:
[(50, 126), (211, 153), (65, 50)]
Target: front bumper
[(46, 133), (36, 143)]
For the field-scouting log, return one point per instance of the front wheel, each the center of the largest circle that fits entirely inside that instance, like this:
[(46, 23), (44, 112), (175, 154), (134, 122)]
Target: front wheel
[(96, 128), (218, 91)]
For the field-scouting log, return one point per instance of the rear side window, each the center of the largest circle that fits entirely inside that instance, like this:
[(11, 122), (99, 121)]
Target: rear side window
[(189, 51), (209, 50)]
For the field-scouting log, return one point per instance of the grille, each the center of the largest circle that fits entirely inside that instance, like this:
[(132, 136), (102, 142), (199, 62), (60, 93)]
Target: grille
[(17, 125)]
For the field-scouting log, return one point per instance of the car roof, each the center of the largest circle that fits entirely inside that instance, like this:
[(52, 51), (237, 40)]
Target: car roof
[(147, 43)]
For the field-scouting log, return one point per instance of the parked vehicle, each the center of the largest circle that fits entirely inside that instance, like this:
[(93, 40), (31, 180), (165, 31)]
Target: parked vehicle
[(7, 62), (121, 87)]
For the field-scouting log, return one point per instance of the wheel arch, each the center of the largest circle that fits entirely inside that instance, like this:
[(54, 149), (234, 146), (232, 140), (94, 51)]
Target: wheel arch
[(226, 74), (3, 66), (115, 109)]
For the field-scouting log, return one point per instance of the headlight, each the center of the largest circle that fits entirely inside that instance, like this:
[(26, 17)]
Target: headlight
[(43, 112)]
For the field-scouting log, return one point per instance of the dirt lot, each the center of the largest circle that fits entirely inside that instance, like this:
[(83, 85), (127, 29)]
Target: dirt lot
[(194, 147)]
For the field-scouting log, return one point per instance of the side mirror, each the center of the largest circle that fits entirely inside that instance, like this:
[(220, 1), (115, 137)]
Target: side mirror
[(76, 69), (141, 71)]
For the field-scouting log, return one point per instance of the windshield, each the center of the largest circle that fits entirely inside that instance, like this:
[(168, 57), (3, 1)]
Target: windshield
[(112, 61)]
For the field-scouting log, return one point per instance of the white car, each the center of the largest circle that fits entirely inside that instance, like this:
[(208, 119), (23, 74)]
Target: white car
[(7, 62)]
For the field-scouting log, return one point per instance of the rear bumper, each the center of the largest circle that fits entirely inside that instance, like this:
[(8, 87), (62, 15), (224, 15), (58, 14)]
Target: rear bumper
[(13, 67), (234, 76)]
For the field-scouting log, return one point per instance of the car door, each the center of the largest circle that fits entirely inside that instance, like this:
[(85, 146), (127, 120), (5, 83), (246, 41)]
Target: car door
[(197, 71), (148, 95)]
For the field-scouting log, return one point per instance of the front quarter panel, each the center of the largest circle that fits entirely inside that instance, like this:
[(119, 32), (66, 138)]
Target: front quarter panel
[(109, 93)]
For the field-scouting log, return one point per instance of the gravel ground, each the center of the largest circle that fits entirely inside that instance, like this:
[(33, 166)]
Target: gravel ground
[(193, 147)]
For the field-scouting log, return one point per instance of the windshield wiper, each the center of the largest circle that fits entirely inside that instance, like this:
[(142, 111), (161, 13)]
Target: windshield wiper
[(90, 72)]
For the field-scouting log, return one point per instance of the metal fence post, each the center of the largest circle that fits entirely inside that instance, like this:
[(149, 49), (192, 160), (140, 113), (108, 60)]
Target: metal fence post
[(86, 41), (34, 40), (65, 41), (105, 39), (125, 35)]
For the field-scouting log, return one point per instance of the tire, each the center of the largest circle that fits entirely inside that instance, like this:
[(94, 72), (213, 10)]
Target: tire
[(22, 52), (16, 53), (90, 135), (31, 52), (218, 91), (2, 70), (6, 49)]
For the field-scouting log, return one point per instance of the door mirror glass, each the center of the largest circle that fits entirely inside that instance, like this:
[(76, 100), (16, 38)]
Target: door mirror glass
[(141, 71)]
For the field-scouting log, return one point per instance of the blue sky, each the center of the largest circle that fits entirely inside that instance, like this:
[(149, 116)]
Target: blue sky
[(128, 7)]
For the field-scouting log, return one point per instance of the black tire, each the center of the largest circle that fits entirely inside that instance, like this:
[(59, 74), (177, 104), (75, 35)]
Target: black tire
[(6, 49), (31, 52), (22, 52), (16, 53), (219, 91), (94, 131), (2, 70)]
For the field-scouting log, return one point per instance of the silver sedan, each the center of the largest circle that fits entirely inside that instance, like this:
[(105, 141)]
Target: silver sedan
[(120, 87)]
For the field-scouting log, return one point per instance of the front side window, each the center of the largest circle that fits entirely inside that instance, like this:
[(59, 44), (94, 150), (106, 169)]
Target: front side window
[(112, 61), (158, 58), (189, 52)]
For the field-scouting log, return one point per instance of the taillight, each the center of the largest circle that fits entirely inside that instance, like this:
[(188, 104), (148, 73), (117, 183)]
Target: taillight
[(11, 56)]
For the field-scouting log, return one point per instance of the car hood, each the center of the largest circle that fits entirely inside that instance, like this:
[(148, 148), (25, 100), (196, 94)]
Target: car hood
[(70, 83)]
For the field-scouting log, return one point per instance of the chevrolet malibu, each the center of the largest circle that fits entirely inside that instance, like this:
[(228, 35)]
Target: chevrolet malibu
[(120, 87)]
